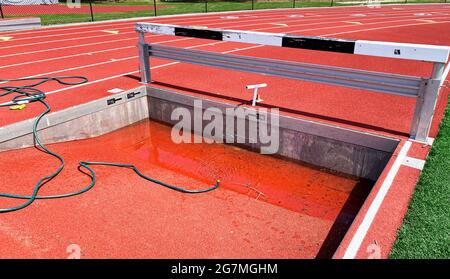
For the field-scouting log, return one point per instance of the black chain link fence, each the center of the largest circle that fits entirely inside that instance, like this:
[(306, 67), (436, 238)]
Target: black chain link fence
[(69, 11)]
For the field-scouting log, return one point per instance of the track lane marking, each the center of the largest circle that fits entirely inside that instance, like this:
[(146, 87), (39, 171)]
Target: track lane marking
[(82, 54), (352, 25), (426, 20), (267, 28), (65, 40), (379, 28), (361, 231), (67, 47), (67, 88), (137, 71), (115, 32), (130, 21), (255, 29), (353, 22)]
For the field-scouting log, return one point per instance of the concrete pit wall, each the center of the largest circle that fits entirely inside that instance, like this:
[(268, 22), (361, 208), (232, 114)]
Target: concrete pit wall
[(342, 150), (331, 147), (79, 122)]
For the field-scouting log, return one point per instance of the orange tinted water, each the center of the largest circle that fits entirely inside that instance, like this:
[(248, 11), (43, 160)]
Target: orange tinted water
[(298, 187), (265, 206)]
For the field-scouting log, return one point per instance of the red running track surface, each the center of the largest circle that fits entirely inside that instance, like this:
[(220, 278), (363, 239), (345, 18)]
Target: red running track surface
[(109, 61), (265, 207)]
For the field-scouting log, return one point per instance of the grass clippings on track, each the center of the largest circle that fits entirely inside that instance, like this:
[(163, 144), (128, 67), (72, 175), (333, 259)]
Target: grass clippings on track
[(425, 233)]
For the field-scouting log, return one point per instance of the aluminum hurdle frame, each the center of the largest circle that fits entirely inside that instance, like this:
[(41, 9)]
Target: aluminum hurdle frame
[(425, 90)]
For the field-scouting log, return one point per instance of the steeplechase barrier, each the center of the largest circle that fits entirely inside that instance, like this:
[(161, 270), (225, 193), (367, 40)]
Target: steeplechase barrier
[(424, 89)]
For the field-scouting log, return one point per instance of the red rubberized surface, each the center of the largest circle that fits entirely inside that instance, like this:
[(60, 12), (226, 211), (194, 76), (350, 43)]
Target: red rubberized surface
[(109, 60), (265, 207)]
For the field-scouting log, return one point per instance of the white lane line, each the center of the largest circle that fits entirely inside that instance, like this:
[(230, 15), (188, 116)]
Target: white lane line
[(82, 54), (354, 22), (426, 20), (199, 18), (63, 57), (112, 60), (379, 28), (325, 22), (155, 67), (365, 24), (87, 66), (258, 29), (67, 47), (254, 29), (361, 232), (65, 40), (91, 44), (195, 18), (219, 22), (152, 68), (70, 34)]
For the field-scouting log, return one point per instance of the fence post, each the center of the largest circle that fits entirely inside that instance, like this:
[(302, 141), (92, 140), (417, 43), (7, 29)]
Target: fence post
[(332, 3), (293, 5), (154, 7), (206, 6), (253, 4), (92, 12), (1, 11)]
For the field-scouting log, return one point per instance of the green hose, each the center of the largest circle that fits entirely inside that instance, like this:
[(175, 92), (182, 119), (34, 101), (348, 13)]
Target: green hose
[(28, 94)]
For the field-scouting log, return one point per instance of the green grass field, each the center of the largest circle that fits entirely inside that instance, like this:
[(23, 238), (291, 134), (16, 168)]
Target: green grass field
[(425, 232)]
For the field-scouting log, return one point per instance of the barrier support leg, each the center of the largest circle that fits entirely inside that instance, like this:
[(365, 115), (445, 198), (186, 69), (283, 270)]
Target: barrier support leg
[(426, 104), (144, 59)]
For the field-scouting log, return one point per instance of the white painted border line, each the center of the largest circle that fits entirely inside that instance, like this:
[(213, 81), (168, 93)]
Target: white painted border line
[(361, 232), (120, 22), (135, 72), (109, 21)]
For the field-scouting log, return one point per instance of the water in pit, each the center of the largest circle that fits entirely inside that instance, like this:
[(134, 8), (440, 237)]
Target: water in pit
[(272, 207)]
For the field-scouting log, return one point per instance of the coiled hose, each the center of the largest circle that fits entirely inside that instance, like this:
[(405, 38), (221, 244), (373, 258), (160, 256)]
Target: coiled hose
[(29, 93)]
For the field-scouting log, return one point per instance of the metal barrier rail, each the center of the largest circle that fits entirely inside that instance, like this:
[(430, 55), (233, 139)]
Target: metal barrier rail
[(425, 90)]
